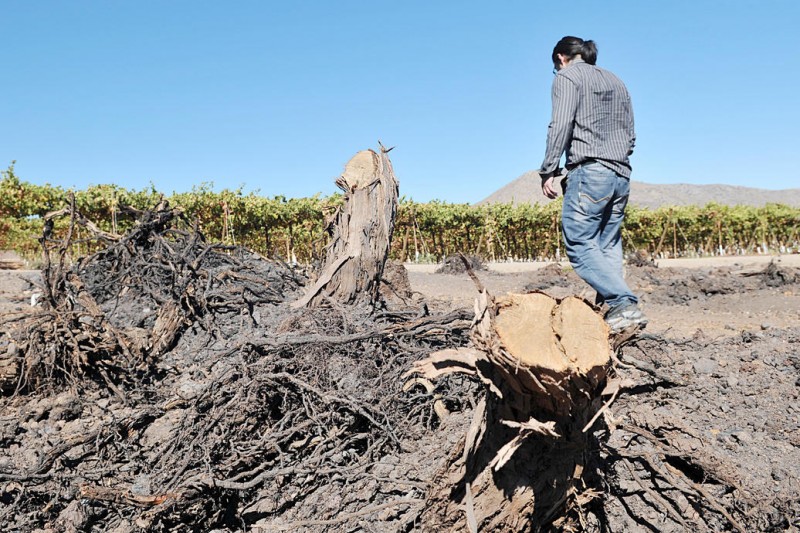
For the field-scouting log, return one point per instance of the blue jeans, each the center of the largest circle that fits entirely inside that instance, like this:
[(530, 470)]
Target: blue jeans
[(594, 207)]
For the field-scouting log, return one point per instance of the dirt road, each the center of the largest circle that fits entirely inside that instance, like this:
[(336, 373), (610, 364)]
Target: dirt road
[(714, 295)]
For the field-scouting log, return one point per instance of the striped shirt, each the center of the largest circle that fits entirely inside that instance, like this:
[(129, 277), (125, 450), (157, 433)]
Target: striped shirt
[(592, 120)]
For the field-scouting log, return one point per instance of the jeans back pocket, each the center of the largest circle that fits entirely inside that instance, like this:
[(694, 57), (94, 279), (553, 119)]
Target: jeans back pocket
[(596, 189)]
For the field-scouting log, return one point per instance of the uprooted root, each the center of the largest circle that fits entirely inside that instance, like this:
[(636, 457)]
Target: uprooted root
[(665, 464), (249, 415), (256, 434), (111, 314)]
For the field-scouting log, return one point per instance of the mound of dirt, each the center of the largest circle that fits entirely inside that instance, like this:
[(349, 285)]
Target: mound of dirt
[(454, 264), (681, 286), (554, 275), (395, 287), (640, 258), (776, 276)]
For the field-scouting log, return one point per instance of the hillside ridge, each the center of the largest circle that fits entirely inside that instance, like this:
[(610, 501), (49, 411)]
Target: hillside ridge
[(527, 189)]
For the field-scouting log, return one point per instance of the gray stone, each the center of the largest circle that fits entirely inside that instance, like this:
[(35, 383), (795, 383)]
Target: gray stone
[(11, 349), (141, 485), (705, 366), (190, 389), (742, 436)]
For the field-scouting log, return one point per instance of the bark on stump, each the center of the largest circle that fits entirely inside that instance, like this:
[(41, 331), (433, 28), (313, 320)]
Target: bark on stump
[(361, 232), (520, 466)]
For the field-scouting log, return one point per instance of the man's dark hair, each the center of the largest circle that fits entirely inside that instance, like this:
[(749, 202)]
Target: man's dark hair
[(572, 46)]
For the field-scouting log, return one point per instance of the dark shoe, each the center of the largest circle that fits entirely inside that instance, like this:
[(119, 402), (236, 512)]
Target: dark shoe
[(625, 316)]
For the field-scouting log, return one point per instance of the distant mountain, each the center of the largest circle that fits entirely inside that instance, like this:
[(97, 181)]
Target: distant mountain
[(528, 189)]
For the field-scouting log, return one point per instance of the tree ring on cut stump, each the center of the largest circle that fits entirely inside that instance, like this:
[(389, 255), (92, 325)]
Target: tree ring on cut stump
[(565, 337)]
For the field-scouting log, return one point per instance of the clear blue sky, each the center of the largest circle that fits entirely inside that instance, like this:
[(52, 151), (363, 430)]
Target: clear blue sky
[(276, 96)]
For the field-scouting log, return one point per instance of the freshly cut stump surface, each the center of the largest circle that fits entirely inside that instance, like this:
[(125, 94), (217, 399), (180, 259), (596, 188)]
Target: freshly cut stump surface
[(361, 170), (566, 337)]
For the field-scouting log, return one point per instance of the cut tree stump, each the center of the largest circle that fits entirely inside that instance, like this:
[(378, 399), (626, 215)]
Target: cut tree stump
[(522, 465), (360, 234)]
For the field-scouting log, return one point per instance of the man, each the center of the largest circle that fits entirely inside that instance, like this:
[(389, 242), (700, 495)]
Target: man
[(593, 122)]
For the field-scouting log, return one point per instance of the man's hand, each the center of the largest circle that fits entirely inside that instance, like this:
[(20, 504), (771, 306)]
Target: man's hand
[(548, 187)]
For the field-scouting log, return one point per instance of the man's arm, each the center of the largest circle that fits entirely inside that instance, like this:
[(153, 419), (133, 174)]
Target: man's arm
[(559, 132)]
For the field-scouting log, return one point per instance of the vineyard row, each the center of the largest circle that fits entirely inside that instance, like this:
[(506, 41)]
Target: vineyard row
[(294, 228)]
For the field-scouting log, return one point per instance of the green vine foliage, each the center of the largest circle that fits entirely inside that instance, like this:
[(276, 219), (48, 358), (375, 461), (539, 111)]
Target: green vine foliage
[(294, 229)]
